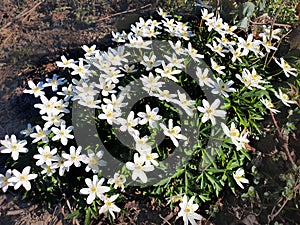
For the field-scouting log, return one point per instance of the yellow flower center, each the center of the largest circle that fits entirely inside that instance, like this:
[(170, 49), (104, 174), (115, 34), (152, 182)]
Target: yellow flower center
[(189, 209), (270, 104), (41, 134), (47, 155), (235, 133), (285, 97), (109, 204), (23, 178), (139, 167), (110, 115), (93, 189), (148, 157)]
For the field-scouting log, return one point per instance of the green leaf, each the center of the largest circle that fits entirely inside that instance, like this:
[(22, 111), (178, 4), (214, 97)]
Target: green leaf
[(246, 10), (243, 23), (213, 170), (72, 215), (87, 219), (262, 5), (204, 198), (162, 182)]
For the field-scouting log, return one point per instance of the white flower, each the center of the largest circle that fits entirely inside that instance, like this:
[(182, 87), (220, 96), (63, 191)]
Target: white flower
[(284, 98), (52, 119), (84, 90), (111, 75), (28, 130), (269, 105), (4, 183), (137, 30), (49, 169), (287, 69), (129, 124), (65, 62), (54, 82), (238, 177), (205, 14), (129, 69), (36, 90), (187, 211), (218, 48), (118, 181), (170, 26), (211, 111), (219, 26), (90, 51), (242, 140), (233, 133), (48, 106), (149, 63), (125, 91), (74, 157), (138, 168), (223, 88), (46, 155), (116, 102), (149, 157), (179, 50), (181, 30), (81, 70), (168, 72), (179, 63), (173, 132), (230, 30), (90, 102), (185, 103), (249, 45), (110, 206), (267, 43), (94, 161), (251, 79), (150, 116), (203, 78), (62, 106), (106, 87), (41, 134), (194, 53), (117, 37), (61, 165), (22, 178), (267, 32), (138, 42), (225, 42), (62, 134), (162, 13), (94, 189), (13, 146), (211, 23), (151, 83), (236, 54), (215, 66), (165, 95), (141, 144), (109, 114)]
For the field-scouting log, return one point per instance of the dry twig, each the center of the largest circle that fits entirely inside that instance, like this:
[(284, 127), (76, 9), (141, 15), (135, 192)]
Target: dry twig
[(283, 138), (167, 218), (125, 12)]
